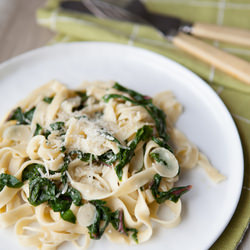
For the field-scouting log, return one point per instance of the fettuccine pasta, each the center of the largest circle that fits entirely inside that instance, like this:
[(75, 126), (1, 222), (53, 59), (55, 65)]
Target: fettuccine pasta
[(99, 160)]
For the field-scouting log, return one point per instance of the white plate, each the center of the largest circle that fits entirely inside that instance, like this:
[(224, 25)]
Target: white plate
[(208, 208)]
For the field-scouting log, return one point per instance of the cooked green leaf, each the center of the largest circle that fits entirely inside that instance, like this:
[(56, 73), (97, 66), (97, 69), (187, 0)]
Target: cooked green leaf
[(60, 204), (135, 95), (138, 99), (106, 98), (41, 190), (29, 115), (46, 133), (173, 194), (32, 171), (117, 221), (134, 234), (83, 95), (102, 219), (81, 117), (17, 114), (48, 99), (158, 159), (104, 216), (75, 195), (78, 154), (22, 118), (108, 157), (84, 98), (162, 143), (57, 125), (62, 149), (125, 155), (110, 137), (9, 181), (44, 190), (68, 216), (160, 120), (38, 130)]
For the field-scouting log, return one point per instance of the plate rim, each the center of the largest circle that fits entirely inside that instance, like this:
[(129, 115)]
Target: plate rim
[(202, 83)]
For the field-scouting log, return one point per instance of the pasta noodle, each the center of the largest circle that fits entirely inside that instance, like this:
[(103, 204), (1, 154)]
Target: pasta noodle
[(95, 161)]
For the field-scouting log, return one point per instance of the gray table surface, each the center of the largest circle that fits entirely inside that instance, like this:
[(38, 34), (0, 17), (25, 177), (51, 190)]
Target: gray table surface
[(20, 33)]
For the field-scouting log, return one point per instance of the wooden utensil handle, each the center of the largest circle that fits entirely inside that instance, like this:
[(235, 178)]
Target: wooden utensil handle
[(228, 63), (222, 33)]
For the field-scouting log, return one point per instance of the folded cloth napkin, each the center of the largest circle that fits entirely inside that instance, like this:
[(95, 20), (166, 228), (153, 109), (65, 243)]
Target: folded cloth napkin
[(72, 26)]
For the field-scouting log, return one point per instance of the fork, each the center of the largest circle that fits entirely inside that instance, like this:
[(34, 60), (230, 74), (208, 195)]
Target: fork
[(224, 61), (110, 9)]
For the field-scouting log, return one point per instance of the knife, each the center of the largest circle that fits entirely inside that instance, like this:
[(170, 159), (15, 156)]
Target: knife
[(173, 29)]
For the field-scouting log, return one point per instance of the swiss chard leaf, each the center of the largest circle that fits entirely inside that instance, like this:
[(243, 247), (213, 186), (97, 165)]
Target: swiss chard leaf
[(9, 181), (75, 195), (67, 159), (84, 98), (134, 234), (60, 204), (22, 118), (29, 115), (69, 216), (106, 98), (17, 115), (80, 155), (138, 99), (48, 99), (125, 155), (46, 133), (71, 192), (110, 137), (57, 125), (142, 99), (102, 219), (160, 120), (158, 159), (162, 143), (108, 157), (45, 190), (41, 190), (173, 194), (117, 221), (38, 130), (31, 171), (104, 216)]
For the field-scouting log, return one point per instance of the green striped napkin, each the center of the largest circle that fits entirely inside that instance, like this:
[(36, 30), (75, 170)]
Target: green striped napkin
[(72, 26)]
